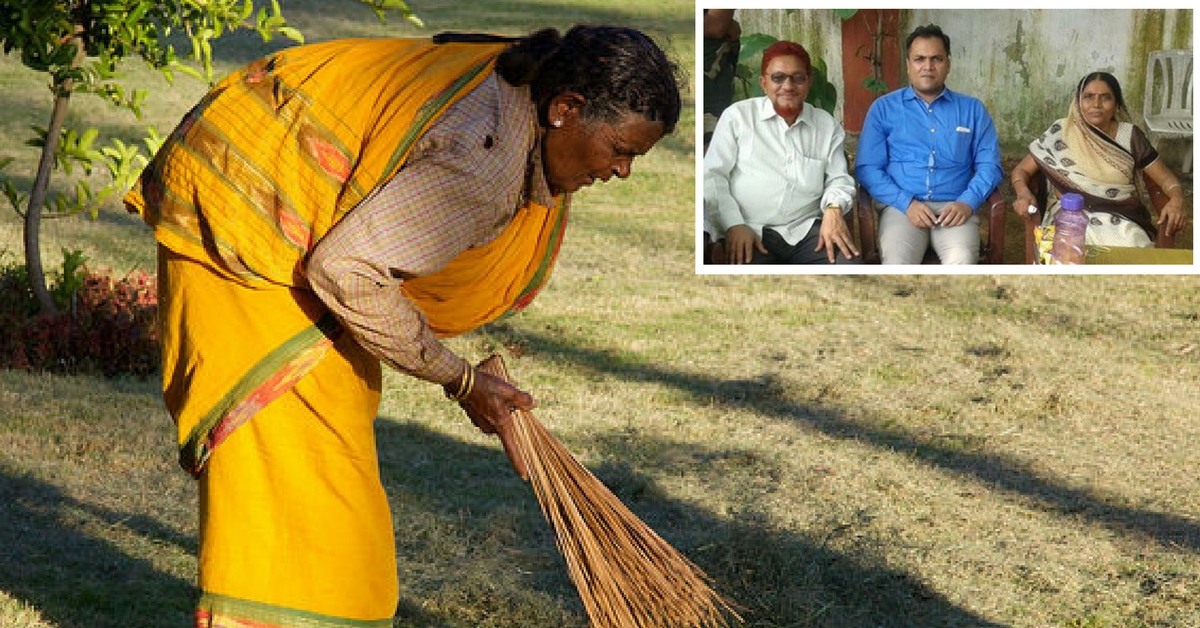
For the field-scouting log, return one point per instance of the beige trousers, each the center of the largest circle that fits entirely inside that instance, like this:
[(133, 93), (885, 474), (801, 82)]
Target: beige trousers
[(901, 242)]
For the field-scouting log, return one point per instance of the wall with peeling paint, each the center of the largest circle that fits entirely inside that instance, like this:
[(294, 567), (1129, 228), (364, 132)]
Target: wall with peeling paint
[(1023, 64)]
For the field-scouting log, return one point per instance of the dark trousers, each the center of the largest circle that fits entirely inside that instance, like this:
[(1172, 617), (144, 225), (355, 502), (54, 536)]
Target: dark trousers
[(780, 252)]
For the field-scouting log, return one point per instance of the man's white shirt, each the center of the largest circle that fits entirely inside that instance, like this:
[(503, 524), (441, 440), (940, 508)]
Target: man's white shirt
[(760, 172)]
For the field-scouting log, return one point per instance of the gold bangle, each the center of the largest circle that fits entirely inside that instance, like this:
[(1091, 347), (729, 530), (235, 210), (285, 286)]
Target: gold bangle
[(470, 384), (466, 383), (1171, 188)]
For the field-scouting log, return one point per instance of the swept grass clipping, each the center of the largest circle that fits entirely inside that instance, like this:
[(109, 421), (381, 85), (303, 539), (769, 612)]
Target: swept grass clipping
[(626, 575)]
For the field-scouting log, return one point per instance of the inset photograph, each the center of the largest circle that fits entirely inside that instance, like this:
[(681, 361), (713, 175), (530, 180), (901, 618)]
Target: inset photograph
[(861, 137)]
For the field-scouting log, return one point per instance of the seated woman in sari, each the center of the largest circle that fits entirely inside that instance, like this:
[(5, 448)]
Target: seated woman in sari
[(1097, 155), (344, 204)]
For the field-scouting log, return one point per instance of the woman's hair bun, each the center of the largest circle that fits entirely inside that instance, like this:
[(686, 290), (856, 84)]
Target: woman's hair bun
[(520, 65)]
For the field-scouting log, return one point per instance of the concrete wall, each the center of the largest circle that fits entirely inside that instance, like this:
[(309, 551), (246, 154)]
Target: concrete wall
[(1023, 64)]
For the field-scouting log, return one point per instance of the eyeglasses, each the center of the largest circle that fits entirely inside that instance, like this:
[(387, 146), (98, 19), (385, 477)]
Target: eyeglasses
[(798, 78)]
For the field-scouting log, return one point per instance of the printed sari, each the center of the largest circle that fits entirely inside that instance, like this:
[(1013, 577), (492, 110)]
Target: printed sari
[(295, 526), (1077, 157)]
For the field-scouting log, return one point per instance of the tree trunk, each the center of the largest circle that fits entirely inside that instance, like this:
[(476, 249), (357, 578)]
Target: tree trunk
[(41, 185)]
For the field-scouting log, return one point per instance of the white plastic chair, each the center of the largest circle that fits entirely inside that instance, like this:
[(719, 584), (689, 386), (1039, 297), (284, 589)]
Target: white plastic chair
[(1168, 106)]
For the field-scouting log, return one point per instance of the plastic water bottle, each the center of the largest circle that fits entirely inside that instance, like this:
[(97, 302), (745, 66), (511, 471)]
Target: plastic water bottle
[(1070, 229)]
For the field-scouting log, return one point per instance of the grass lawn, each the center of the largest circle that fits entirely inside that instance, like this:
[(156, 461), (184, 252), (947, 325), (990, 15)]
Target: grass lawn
[(836, 451)]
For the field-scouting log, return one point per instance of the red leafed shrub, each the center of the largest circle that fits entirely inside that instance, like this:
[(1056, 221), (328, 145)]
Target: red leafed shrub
[(105, 325)]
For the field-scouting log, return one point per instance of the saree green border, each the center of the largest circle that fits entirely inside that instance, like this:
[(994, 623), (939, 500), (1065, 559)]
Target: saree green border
[(194, 451), (268, 616), (556, 236), (428, 112)]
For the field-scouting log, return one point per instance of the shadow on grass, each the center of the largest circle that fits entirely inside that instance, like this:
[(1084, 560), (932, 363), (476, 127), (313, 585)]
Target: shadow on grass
[(766, 397), (459, 503), (49, 560), (779, 578)]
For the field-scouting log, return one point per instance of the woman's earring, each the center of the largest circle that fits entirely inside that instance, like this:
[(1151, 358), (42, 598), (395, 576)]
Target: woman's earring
[(556, 124)]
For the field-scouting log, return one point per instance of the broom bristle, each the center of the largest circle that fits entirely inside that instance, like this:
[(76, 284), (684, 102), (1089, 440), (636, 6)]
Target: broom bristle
[(626, 574)]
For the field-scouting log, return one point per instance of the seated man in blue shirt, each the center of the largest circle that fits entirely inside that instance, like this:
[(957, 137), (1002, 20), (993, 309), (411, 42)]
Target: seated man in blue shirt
[(930, 156)]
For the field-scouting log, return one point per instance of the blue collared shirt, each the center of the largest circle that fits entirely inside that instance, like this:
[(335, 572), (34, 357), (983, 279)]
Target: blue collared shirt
[(946, 150)]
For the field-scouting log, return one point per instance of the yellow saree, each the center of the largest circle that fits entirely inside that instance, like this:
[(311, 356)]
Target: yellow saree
[(295, 527)]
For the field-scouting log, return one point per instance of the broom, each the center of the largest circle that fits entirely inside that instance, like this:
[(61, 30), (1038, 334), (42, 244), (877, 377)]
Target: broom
[(626, 575)]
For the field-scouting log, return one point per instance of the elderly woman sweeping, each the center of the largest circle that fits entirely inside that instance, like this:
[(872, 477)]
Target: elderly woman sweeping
[(342, 204)]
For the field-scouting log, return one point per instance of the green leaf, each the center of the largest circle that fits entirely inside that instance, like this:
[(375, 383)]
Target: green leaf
[(820, 67), (134, 17), (63, 55), (845, 14), (292, 34), (153, 140), (83, 192), (88, 138), (823, 96), (876, 85), (136, 102), (753, 45), (190, 71), (15, 198)]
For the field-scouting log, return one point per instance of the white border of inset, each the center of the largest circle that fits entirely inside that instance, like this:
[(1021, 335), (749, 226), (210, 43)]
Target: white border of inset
[(869, 269)]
